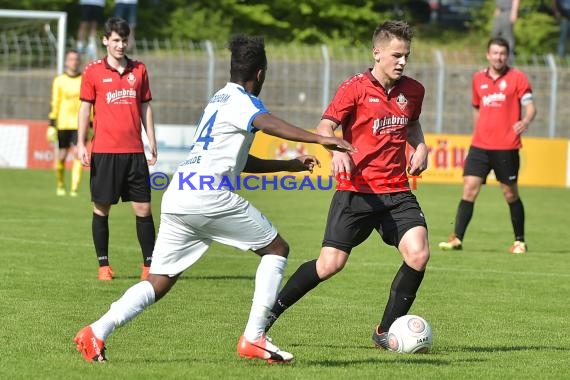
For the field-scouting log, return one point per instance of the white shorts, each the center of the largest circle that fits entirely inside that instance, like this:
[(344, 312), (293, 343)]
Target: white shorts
[(183, 238)]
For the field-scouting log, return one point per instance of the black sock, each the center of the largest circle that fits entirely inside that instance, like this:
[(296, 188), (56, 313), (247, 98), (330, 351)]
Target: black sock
[(100, 231), (146, 235), (300, 283), (402, 295), (463, 217), (517, 218)]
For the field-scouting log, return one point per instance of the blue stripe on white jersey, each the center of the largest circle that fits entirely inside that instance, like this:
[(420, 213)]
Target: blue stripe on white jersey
[(257, 103), (219, 152)]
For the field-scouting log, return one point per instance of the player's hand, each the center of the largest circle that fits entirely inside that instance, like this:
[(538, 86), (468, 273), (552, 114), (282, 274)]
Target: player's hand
[(302, 163), (341, 165), (336, 143), (83, 154), (418, 160), (51, 134), (153, 157), (520, 127)]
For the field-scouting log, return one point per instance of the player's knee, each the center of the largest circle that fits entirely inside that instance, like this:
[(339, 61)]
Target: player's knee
[(142, 209), (418, 259), (277, 247), (281, 247), (511, 197), (161, 284), (328, 266)]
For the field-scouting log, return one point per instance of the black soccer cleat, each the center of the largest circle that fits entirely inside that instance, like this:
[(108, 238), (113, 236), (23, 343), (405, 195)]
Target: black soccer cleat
[(380, 339)]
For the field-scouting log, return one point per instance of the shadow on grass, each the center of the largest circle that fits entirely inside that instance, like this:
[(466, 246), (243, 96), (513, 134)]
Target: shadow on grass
[(189, 277), (380, 360), (492, 349)]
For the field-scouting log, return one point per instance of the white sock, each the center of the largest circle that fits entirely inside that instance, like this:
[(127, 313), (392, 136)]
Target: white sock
[(267, 281), (137, 298)]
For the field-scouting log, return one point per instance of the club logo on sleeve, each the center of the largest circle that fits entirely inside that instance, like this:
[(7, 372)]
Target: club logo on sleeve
[(402, 101)]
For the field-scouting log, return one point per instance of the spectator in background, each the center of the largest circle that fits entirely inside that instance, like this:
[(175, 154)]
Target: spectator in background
[(92, 16), (561, 10), (506, 14), (127, 10), (63, 121)]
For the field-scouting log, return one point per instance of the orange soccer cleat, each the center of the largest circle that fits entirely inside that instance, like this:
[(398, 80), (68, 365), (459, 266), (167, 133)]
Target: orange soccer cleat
[(262, 349), (144, 273), (105, 273), (518, 247), (452, 244), (92, 349)]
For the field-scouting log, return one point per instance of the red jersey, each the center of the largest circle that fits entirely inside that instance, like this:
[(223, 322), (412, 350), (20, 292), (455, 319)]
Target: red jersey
[(116, 99), (375, 122), (499, 103)]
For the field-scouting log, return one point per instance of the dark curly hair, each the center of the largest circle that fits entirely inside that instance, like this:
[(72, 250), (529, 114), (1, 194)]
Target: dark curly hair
[(248, 56)]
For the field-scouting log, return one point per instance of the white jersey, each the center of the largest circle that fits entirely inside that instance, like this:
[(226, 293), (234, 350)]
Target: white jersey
[(205, 182)]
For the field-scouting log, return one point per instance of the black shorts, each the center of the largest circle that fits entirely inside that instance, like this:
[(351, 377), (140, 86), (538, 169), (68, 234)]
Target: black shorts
[(505, 164), (92, 13), (353, 216), (127, 12), (119, 175), (66, 138)]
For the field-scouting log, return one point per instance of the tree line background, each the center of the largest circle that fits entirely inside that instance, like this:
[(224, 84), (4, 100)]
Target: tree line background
[(335, 22)]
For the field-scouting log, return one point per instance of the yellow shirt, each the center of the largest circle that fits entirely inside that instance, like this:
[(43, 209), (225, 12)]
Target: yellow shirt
[(65, 101)]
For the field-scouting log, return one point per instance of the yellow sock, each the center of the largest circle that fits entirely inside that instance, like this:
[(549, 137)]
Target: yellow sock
[(59, 172), (76, 171)]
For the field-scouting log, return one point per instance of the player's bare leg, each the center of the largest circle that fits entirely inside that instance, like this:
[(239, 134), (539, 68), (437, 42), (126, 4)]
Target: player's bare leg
[(254, 343)]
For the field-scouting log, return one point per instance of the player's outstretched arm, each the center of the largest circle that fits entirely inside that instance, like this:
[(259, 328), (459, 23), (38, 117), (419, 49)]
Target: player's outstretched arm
[(342, 164), (275, 126), (83, 127), (297, 164)]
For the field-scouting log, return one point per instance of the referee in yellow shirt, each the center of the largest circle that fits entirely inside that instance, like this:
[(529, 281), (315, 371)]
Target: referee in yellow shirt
[(64, 121)]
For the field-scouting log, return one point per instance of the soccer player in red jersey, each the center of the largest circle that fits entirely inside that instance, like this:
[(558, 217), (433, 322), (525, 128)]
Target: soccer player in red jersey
[(118, 89), (499, 94), (379, 112)]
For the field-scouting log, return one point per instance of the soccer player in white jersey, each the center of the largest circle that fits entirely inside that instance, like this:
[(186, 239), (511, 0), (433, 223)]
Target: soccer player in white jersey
[(200, 207)]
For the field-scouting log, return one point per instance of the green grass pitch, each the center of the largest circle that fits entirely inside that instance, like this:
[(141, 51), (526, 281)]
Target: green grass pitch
[(494, 315)]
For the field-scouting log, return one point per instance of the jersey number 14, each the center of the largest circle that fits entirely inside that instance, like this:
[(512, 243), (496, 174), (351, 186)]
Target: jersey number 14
[(204, 135)]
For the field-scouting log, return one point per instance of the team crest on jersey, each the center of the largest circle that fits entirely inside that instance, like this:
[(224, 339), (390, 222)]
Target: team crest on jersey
[(402, 101), (131, 79), (503, 85)]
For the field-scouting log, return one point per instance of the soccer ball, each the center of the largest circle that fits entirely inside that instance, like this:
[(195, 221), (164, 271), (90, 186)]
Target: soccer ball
[(410, 334)]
